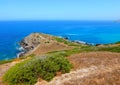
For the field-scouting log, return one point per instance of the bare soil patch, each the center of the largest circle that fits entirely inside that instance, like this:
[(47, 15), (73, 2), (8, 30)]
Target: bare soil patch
[(4, 68), (93, 68), (49, 47)]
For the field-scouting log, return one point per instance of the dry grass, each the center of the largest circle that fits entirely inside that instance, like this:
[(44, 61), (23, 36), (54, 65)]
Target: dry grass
[(94, 58), (50, 47), (90, 68), (4, 68), (93, 68), (108, 64), (48, 44)]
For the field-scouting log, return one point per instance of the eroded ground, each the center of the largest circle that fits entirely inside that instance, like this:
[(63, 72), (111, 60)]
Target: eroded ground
[(4, 68), (93, 68)]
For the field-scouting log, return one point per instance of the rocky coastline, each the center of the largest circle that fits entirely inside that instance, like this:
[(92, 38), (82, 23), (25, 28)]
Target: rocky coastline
[(33, 40), (29, 43)]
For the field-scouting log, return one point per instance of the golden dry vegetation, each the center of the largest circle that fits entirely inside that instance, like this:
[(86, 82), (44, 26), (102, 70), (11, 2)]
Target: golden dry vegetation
[(89, 68), (49, 47), (93, 68)]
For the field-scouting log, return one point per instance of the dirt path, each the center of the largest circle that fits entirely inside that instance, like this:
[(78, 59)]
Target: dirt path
[(4, 68)]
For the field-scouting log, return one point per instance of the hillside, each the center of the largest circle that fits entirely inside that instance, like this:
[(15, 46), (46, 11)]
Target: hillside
[(91, 65), (39, 43)]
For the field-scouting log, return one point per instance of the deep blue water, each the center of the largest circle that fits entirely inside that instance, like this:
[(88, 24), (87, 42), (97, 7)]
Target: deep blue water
[(11, 32)]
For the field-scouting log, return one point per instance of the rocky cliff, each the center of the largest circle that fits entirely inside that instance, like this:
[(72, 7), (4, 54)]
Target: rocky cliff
[(31, 41), (39, 43)]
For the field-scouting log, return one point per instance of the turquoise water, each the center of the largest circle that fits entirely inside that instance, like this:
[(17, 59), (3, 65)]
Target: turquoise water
[(11, 32)]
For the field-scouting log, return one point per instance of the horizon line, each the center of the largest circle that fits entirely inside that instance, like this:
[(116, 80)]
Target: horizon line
[(57, 20)]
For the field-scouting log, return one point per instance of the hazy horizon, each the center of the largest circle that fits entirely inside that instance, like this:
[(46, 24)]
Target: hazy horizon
[(12, 10)]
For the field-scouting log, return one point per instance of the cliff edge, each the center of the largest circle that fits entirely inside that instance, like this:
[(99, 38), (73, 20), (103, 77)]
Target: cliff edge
[(39, 43)]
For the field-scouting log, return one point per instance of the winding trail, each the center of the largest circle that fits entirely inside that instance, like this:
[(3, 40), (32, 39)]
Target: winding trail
[(4, 68)]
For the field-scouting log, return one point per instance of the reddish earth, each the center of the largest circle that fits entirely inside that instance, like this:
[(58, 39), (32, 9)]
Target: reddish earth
[(50, 47), (4, 68), (93, 68)]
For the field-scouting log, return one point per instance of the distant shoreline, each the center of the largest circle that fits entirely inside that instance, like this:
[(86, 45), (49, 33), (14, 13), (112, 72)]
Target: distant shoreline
[(76, 41), (98, 32)]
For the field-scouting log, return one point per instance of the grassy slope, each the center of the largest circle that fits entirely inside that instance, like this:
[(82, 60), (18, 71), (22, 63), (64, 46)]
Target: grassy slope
[(28, 71), (78, 48), (92, 68)]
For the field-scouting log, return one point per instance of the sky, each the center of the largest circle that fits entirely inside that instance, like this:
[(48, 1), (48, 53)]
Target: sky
[(59, 9)]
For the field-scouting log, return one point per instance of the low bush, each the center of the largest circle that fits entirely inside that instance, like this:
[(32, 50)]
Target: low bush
[(27, 72)]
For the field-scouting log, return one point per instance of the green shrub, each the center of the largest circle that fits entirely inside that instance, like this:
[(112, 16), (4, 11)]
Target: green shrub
[(47, 42), (27, 72), (63, 63)]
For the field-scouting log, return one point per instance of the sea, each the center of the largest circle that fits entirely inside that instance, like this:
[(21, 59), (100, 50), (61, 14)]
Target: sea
[(95, 32)]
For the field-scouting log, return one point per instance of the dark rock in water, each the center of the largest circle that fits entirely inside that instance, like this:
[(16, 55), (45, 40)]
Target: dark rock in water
[(66, 38), (98, 44)]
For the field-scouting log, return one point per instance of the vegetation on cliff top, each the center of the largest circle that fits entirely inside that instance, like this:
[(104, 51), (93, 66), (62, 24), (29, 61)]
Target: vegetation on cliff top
[(46, 67), (28, 71)]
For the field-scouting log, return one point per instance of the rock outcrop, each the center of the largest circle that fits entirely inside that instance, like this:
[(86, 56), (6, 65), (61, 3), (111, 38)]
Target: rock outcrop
[(31, 42), (39, 43)]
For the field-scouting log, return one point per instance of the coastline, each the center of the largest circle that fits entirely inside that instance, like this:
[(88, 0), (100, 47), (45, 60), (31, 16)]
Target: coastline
[(22, 51), (87, 31), (43, 46)]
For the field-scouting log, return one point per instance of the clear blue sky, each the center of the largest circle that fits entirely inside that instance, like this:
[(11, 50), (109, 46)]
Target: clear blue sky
[(59, 9)]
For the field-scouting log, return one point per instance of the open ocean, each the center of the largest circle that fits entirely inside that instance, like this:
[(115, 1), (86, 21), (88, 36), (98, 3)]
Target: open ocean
[(97, 32)]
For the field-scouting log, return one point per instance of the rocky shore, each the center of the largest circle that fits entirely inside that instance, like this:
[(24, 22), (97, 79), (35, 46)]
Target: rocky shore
[(43, 42), (90, 63), (30, 42), (40, 41)]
